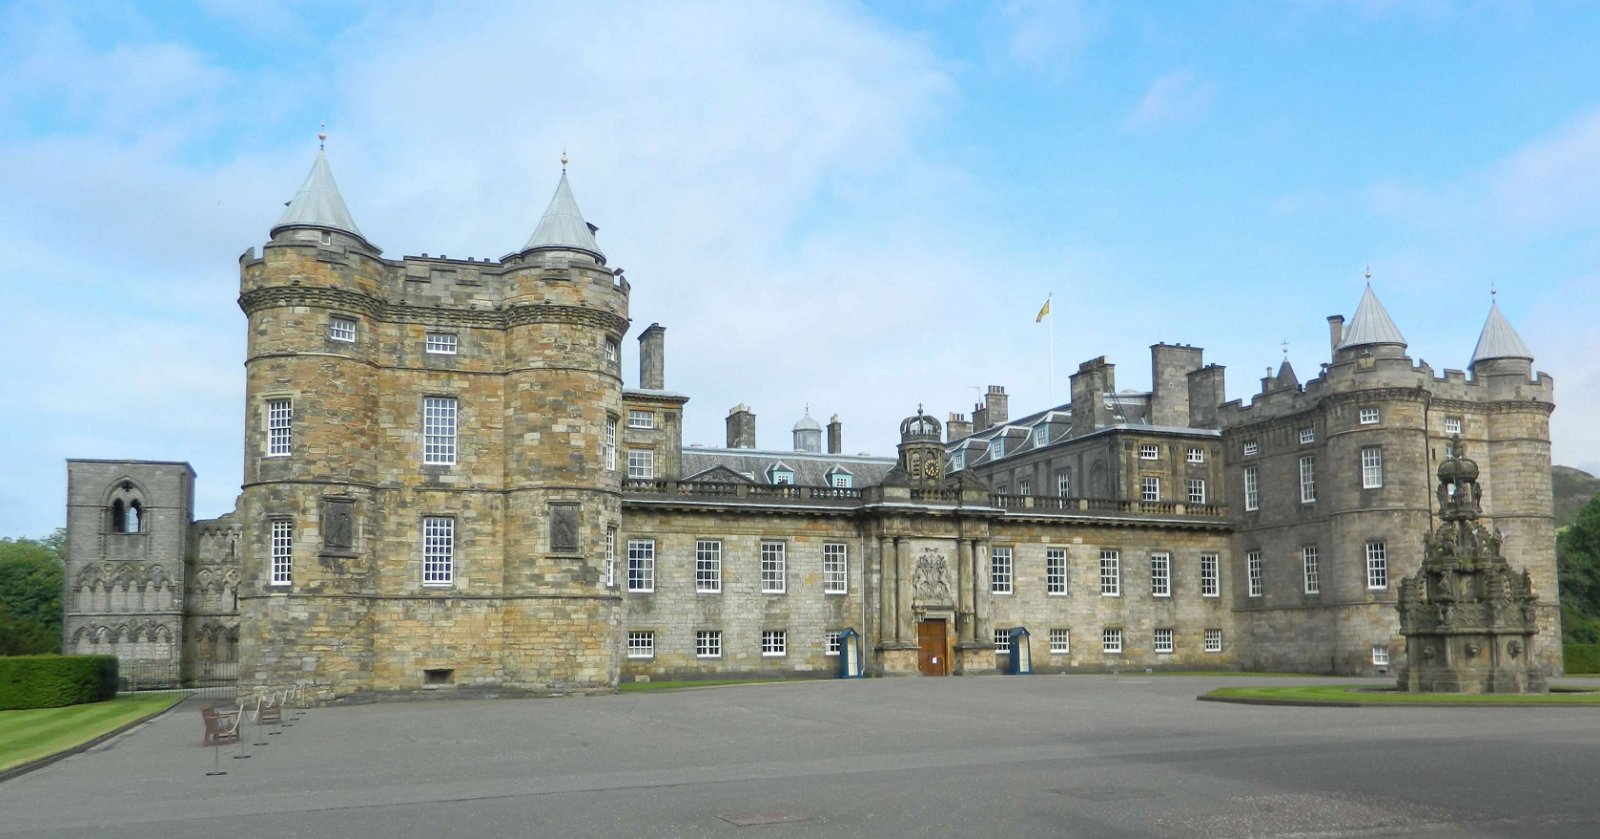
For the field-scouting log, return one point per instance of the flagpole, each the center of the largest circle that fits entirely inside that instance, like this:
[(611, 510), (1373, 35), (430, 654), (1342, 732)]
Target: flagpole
[(1052, 317)]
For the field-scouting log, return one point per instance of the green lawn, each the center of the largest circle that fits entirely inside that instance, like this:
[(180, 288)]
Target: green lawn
[(1348, 695), (40, 732)]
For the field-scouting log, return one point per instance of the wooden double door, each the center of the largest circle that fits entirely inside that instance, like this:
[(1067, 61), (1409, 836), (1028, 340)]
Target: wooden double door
[(933, 647)]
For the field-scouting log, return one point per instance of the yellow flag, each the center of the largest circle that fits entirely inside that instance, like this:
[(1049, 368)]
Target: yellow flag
[(1043, 310)]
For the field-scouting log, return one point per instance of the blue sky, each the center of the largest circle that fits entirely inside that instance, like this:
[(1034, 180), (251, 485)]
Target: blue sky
[(858, 207)]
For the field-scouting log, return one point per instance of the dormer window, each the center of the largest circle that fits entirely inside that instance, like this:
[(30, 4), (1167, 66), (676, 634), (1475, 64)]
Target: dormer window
[(781, 475), (1041, 435), (958, 459), (997, 448), (842, 480)]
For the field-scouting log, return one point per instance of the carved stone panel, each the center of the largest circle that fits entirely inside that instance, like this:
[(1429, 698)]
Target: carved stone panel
[(564, 526), (339, 526), (930, 580)]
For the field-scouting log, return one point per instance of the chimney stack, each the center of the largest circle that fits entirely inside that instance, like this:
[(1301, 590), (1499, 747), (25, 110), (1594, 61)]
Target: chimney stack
[(957, 427), (1170, 366), (1335, 331), (652, 364), (1206, 394), (1095, 378), (741, 427), (980, 417), (835, 435), (998, 405)]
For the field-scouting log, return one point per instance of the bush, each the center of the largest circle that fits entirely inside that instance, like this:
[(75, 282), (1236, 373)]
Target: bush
[(1581, 658), (52, 681)]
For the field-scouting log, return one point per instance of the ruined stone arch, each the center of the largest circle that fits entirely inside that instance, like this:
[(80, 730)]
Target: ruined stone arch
[(125, 505)]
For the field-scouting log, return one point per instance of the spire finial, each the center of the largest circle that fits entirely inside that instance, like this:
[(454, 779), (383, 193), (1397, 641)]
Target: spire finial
[(1369, 273), (1286, 349), (1492, 292), (322, 137), (563, 158)]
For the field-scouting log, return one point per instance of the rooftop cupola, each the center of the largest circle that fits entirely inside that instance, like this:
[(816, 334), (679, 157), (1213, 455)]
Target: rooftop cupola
[(562, 227), (1370, 330), (1498, 340), (808, 434), (318, 205)]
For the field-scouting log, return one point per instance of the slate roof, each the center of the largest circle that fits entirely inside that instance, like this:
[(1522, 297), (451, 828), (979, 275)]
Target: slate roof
[(319, 204), (1371, 325), (702, 464), (1498, 339), (562, 225)]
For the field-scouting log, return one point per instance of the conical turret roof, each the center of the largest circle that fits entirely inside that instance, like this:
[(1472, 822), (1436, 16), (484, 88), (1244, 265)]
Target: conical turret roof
[(562, 226), (1371, 325), (1498, 339), (319, 204)]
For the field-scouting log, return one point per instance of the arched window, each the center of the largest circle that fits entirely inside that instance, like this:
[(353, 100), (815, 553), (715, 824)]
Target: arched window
[(119, 517), (134, 514)]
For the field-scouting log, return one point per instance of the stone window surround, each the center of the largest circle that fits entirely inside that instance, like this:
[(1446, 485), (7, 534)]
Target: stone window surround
[(1370, 416), (439, 343), (1055, 571), (708, 566), (1213, 640), (1308, 435), (1000, 569), (342, 328), (1196, 490), (835, 568), (642, 565), (441, 417), (1002, 641), (1161, 574), (1372, 467), (1252, 561), (774, 643), (1111, 640), (641, 419), (1060, 641), (1149, 488), (641, 464), (708, 643), (1308, 479), (774, 566), (1161, 640), (438, 551), (830, 642), (641, 643), (1110, 573), (1377, 554), (281, 551), (1310, 569), (1149, 451), (1210, 575), (1196, 454), (279, 424), (1252, 489)]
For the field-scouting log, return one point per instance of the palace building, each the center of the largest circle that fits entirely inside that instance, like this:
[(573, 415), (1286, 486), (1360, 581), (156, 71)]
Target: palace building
[(450, 486)]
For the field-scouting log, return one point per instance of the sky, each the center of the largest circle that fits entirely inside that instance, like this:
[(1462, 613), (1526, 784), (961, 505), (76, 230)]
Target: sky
[(856, 207)]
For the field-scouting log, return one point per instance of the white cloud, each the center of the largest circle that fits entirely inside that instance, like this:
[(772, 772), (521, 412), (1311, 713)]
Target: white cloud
[(1552, 184), (1176, 97)]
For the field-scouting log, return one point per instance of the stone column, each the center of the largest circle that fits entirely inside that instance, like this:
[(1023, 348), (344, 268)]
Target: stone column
[(886, 587), (980, 617), (964, 583), (899, 582)]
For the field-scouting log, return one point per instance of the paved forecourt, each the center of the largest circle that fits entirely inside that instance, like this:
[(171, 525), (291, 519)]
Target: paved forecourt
[(1003, 756)]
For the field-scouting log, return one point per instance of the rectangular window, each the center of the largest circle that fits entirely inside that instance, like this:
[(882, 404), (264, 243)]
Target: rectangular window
[(1380, 655), (1162, 641), (1371, 467), (1252, 495), (835, 568), (611, 557), (1308, 479), (1197, 454), (774, 567), (641, 464), (1377, 565), (774, 642), (280, 426), (1161, 575), (342, 328), (708, 643), (708, 566), (1111, 641), (1060, 641), (608, 448), (1308, 436), (1308, 566), (1210, 575), (641, 644), (641, 565), (282, 552), (1250, 448), (1213, 640), (439, 430), (1197, 491), (1002, 640), (1370, 416), (1041, 435), (842, 480), (1024, 487), (438, 550), (830, 642), (641, 419), (1064, 484), (1000, 570), (442, 343), (1149, 489), (1148, 451), (611, 350), (1055, 570), (1252, 563), (1110, 573), (958, 460), (997, 448), (1452, 425)]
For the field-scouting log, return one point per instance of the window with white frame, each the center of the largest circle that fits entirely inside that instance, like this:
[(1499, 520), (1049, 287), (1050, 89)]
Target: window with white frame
[(641, 419), (1111, 641), (1371, 467), (641, 644), (1041, 435), (438, 550), (1196, 454), (1161, 640), (1380, 655), (830, 642), (1452, 425), (280, 427), (1377, 565), (1210, 575), (782, 477), (611, 557), (1002, 640), (1308, 479), (958, 459), (843, 480), (774, 567), (1309, 569), (1110, 573), (1370, 416), (440, 343), (1060, 641), (1252, 492), (997, 448), (1063, 483), (835, 568), (1000, 570), (1308, 435), (1252, 565), (1055, 570), (1213, 640), (1149, 488), (608, 449), (1149, 451), (708, 566), (1001, 488), (774, 642), (282, 552), (641, 464), (325, 238), (1024, 487), (1251, 447), (439, 430), (611, 350), (1161, 575), (641, 565), (1197, 491), (708, 643), (341, 328)]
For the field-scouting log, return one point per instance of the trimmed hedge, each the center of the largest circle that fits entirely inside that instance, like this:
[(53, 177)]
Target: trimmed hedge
[(1581, 658), (53, 681)]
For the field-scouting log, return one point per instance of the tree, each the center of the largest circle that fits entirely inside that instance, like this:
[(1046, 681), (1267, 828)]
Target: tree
[(1578, 567), (32, 574)]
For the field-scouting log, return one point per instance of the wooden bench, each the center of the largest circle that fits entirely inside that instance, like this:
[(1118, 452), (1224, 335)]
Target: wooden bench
[(269, 709), (220, 725)]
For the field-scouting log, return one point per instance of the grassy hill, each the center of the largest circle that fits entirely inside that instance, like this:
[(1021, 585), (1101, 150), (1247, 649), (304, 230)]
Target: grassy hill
[(1573, 488)]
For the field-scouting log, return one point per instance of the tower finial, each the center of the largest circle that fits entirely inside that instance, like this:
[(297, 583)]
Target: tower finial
[(1492, 291), (1286, 349), (322, 137), (1369, 273), (563, 158)]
